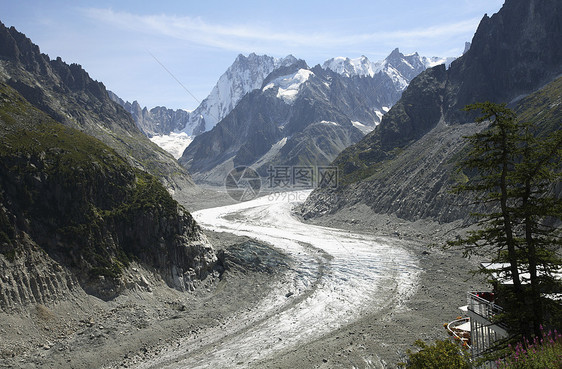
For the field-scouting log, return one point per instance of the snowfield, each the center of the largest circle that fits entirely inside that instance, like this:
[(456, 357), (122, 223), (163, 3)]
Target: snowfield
[(335, 278), (174, 143)]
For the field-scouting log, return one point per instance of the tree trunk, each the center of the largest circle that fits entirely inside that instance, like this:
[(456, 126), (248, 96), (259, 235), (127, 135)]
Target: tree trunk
[(510, 241)]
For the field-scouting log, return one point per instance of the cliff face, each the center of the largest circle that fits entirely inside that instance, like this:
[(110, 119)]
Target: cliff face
[(32, 277), (513, 53), (72, 197), (68, 95)]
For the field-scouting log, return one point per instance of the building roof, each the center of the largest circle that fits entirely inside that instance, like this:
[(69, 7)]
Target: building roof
[(501, 273)]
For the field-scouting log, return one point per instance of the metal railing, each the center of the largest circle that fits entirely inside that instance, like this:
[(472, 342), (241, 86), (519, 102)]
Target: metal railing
[(459, 334), (481, 306)]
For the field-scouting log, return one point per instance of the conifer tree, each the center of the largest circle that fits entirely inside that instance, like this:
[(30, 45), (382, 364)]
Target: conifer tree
[(513, 175)]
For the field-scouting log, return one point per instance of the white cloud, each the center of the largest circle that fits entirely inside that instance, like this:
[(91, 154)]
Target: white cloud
[(256, 38)]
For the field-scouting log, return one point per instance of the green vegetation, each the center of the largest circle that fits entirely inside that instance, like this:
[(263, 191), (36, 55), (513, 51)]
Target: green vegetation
[(543, 109), (75, 196), (149, 194), (513, 177), (544, 352), (441, 354)]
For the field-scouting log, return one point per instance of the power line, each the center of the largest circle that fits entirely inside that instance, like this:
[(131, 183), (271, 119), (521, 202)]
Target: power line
[(174, 77)]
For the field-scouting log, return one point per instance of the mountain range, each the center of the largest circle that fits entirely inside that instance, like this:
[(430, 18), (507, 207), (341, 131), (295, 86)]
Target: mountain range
[(174, 130), (298, 115)]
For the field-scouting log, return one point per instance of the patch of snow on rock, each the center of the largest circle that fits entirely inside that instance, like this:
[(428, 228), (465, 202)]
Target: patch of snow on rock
[(289, 85), (362, 127), (330, 123)]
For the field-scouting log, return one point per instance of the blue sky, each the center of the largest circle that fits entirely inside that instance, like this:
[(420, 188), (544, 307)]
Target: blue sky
[(198, 40)]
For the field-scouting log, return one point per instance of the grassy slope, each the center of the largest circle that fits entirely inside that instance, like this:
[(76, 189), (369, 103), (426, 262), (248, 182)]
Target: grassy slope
[(544, 107)]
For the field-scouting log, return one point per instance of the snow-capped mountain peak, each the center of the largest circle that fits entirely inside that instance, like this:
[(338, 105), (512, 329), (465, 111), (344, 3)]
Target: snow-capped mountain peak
[(399, 67), (286, 78), (347, 67), (246, 74)]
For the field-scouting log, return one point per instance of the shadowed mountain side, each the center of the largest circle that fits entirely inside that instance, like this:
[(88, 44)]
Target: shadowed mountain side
[(416, 182)]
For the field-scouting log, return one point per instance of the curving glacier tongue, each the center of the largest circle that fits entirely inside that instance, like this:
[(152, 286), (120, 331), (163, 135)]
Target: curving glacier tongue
[(337, 278)]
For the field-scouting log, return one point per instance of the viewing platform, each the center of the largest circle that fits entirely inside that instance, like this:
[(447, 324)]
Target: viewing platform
[(484, 331)]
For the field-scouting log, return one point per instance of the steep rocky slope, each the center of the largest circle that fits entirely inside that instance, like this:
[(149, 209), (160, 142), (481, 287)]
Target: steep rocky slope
[(416, 182), (67, 94), (74, 213), (395, 169), (514, 52)]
